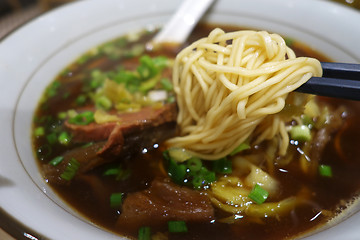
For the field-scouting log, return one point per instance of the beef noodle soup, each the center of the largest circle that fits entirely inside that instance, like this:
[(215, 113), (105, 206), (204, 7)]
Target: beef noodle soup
[(106, 138)]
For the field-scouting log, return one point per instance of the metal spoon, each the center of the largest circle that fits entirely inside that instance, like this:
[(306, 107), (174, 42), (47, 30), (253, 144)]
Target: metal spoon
[(178, 29)]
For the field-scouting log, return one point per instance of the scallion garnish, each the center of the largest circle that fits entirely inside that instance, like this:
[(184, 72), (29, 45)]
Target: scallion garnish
[(300, 133), (325, 170), (86, 145), (70, 170), (83, 118), (39, 131), (62, 115), (144, 233), (190, 172), (240, 148), (111, 171), (64, 138), (56, 161), (176, 171), (208, 176), (97, 79), (177, 227), (223, 166), (103, 102), (116, 200), (289, 42), (81, 99), (51, 138), (307, 121), (194, 164), (166, 84), (258, 194), (203, 178), (171, 99), (52, 89)]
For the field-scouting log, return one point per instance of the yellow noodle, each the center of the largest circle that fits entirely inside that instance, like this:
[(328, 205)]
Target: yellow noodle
[(225, 91)]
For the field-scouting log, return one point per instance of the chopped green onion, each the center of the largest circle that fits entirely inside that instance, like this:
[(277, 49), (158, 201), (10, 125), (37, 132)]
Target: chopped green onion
[(86, 145), (83, 59), (97, 79), (116, 200), (194, 164), (148, 84), (120, 172), (325, 170), (258, 194), (300, 133), (160, 62), (103, 102), (146, 69), (203, 177), (209, 176), (137, 50), (123, 174), (124, 76), (166, 84), (65, 72), (62, 115), (81, 99), (307, 121), (171, 99), (111, 171), (289, 42), (241, 147), (121, 42), (56, 161), (70, 170), (177, 172), (144, 233), (71, 113), (51, 138), (52, 89), (177, 227), (190, 172), (39, 131), (83, 118), (223, 166), (64, 138), (197, 181)]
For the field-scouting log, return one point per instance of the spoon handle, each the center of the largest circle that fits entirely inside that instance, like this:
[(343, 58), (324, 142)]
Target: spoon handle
[(183, 22)]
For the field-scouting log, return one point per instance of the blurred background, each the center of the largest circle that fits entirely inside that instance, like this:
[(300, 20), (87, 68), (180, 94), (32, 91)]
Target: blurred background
[(13, 13)]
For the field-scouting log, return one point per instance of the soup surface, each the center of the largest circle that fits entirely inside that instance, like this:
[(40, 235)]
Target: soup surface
[(130, 190)]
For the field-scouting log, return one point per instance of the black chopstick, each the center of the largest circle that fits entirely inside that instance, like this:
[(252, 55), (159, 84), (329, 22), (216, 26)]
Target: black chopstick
[(340, 80)]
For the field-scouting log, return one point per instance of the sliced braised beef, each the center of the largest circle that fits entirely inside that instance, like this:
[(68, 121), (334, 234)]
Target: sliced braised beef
[(131, 129), (162, 202), (129, 123), (323, 136), (111, 141)]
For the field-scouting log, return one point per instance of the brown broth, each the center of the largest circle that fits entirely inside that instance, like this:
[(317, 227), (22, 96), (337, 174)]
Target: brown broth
[(89, 195)]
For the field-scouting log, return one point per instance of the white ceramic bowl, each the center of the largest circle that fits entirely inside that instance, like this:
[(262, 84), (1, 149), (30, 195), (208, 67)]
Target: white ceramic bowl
[(34, 54)]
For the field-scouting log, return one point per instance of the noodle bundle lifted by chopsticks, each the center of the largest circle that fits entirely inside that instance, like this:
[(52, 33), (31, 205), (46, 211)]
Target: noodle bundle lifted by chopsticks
[(228, 83)]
